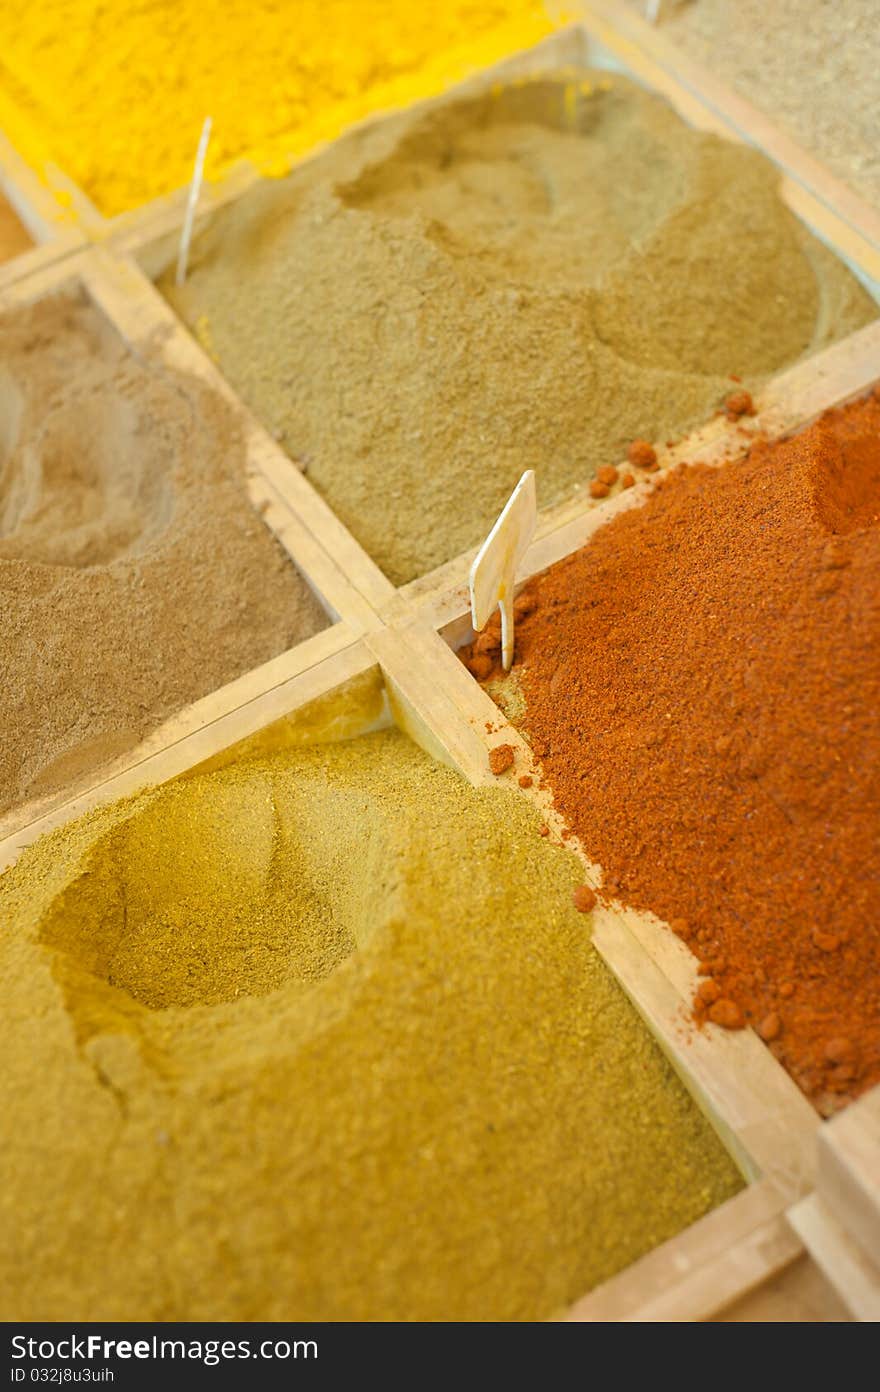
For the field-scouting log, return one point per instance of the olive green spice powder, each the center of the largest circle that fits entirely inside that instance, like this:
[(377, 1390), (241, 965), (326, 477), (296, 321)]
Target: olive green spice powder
[(528, 278), (320, 1035)]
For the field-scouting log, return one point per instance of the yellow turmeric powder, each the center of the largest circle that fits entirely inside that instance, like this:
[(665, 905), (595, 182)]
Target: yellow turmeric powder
[(115, 95)]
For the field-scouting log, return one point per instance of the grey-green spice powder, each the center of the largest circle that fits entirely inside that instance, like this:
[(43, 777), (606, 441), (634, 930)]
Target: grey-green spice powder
[(527, 279)]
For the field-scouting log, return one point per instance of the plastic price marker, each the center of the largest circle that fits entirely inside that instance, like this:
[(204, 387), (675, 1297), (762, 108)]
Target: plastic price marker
[(493, 572), (195, 189)]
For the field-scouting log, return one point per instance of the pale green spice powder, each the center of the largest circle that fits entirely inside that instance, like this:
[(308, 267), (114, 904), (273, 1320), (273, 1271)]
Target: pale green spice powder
[(321, 1036)]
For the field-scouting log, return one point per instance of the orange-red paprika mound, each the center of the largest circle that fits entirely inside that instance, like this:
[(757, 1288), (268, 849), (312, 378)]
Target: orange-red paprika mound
[(702, 687)]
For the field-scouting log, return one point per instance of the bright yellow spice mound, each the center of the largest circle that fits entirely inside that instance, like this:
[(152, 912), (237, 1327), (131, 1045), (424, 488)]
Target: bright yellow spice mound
[(114, 92)]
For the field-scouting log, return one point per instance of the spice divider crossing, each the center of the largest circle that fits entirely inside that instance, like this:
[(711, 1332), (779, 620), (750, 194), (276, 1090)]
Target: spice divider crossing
[(55, 235), (849, 1171), (843, 1260), (840, 1223)]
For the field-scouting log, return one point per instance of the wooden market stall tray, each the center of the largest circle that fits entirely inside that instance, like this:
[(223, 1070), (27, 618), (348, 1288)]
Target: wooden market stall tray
[(405, 639)]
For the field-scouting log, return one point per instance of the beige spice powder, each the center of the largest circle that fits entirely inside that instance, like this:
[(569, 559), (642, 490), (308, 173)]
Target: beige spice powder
[(135, 576), (811, 64)]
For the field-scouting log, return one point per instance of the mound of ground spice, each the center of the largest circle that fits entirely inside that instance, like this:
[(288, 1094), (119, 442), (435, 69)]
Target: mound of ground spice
[(702, 688), (322, 1035), (533, 277), (135, 576)]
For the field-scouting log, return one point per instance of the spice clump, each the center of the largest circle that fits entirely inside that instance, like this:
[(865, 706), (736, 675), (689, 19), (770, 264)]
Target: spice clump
[(642, 455), (584, 899), (501, 758), (739, 403)]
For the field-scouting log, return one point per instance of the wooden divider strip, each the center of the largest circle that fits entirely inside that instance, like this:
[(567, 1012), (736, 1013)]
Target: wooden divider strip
[(710, 1265), (849, 1171), (851, 1272), (195, 733)]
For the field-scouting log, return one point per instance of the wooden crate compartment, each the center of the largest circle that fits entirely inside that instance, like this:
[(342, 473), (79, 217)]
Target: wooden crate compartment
[(759, 1114), (843, 372), (407, 638)]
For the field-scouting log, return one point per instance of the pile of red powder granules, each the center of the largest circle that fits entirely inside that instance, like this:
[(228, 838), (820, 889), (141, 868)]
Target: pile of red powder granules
[(702, 687)]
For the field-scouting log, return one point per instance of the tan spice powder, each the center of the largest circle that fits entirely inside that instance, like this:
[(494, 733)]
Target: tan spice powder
[(322, 1036), (135, 576), (810, 64)]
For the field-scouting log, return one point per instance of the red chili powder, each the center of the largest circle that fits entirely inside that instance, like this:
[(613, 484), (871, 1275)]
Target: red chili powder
[(702, 685)]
